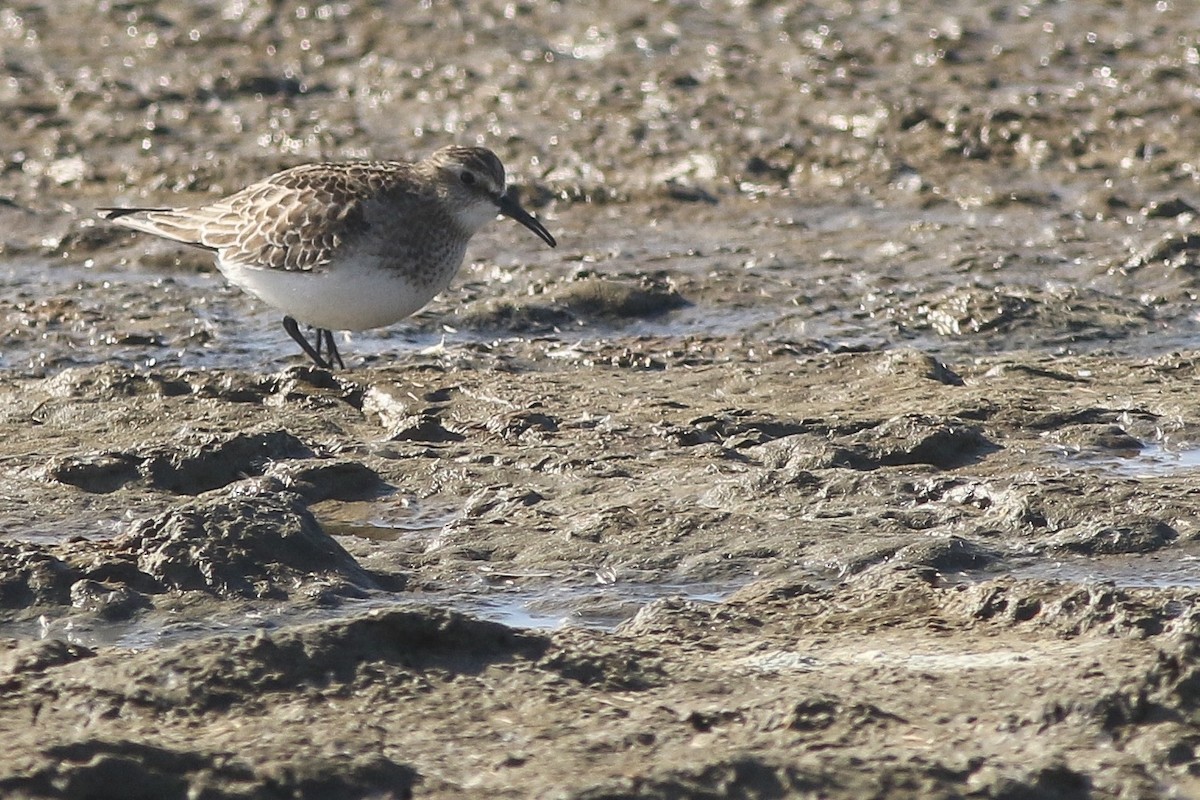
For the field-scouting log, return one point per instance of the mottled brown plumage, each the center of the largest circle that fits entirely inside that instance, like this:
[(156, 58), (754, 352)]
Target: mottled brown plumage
[(346, 246)]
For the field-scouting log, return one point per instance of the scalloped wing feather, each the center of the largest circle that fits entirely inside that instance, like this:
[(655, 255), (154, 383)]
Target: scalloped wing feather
[(295, 220)]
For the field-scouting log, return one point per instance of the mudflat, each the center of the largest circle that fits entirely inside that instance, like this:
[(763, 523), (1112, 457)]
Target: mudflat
[(846, 446)]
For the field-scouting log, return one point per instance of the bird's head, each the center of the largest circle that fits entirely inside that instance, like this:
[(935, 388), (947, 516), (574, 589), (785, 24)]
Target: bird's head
[(474, 184)]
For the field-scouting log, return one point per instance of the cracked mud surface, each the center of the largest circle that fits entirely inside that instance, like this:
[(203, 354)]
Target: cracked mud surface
[(846, 447)]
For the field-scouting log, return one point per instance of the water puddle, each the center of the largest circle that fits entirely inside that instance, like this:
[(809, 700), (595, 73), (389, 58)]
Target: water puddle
[(598, 605), (1151, 461), (394, 518), (591, 598), (539, 608), (1155, 459), (1174, 568)]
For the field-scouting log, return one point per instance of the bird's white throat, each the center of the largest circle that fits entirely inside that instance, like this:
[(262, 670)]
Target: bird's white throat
[(475, 216)]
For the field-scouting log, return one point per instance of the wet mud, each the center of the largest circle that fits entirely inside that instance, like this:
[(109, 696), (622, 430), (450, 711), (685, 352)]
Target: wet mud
[(846, 447)]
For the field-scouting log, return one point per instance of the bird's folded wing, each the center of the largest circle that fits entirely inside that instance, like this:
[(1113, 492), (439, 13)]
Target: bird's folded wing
[(294, 221)]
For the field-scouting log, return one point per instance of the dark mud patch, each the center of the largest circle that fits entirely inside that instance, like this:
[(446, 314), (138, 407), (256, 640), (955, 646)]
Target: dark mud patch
[(588, 299), (189, 470), (312, 660), (91, 768), (258, 541), (252, 543)]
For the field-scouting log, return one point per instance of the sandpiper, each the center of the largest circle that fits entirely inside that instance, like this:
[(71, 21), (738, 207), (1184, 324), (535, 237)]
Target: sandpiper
[(346, 246)]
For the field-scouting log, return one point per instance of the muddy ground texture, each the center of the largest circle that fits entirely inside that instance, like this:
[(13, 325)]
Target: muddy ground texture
[(845, 447)]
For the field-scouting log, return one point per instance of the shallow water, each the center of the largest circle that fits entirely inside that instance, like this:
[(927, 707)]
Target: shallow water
[(1177, 568), (953, 283), (530, 606), (1153, 460)]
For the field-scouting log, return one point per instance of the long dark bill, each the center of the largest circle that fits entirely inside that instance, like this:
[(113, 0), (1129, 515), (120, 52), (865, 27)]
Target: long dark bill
[(510, 208)]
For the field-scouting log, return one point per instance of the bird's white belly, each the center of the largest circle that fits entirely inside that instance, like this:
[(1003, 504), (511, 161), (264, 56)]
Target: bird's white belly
[(353, 297)]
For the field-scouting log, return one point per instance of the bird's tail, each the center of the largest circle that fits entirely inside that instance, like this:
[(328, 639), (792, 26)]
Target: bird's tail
[(169, 223)]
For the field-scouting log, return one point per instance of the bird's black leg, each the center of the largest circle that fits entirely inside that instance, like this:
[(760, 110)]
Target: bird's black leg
[(293, 331), (330, 347)]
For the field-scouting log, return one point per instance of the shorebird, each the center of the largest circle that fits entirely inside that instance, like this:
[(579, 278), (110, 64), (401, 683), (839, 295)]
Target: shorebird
[(346, 246)]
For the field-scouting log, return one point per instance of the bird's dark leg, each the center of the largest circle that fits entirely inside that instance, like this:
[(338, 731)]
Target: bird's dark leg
[(330, 347), (293, 331)]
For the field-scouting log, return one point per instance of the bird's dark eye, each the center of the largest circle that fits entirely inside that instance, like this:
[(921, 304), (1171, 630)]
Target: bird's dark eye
[(467, 178)]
